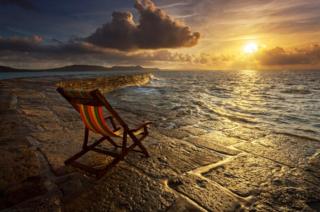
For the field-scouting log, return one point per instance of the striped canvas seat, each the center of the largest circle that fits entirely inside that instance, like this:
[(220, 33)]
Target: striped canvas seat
[(92, 117)]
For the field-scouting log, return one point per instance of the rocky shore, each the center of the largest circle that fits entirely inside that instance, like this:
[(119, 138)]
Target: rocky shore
[(193, 167)]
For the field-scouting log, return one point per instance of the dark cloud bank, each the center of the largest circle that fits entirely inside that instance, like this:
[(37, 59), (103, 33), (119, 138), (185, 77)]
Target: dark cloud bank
[(155, 30), (32, 52), (121, 40), (25, 4)]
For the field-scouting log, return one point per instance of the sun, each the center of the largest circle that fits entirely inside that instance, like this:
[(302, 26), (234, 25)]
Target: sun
[(250, 48)]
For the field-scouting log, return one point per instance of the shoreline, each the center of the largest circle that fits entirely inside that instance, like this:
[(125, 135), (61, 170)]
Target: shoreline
[(189, 168)]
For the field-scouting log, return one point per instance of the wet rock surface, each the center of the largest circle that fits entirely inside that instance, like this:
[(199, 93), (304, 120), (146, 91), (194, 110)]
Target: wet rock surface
[(274, 186), (210, 195), (194, 166), (124, 188)]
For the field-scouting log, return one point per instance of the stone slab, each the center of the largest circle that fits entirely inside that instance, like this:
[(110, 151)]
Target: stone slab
[(271, 186), (124, 189), (170, 157), (205, 193), (290, 150), (245, 133), (17, 164), (215, 141)]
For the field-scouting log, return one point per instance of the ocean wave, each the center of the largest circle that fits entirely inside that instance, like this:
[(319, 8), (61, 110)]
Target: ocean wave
[(220, 112), (296, 91), (156, 78), (241, 119), (316, 125)]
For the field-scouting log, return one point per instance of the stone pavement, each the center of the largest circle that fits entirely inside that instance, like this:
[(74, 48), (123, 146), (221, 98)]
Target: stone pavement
[(193, 167)]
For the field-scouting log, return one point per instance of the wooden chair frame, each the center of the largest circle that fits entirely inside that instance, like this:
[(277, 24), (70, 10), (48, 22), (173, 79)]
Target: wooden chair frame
[(97, 99)]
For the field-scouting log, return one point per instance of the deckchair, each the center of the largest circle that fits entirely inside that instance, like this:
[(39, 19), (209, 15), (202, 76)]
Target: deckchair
[(90, 105)]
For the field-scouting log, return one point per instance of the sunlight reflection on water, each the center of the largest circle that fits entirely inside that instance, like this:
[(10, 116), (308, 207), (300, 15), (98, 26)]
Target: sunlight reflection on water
[(271, 101)]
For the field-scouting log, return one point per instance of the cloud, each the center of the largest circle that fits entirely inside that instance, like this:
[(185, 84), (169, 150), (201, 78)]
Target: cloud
[(34, 52), (20, 43), (280, 57), (155, 30), (25, 4), (34, 45)]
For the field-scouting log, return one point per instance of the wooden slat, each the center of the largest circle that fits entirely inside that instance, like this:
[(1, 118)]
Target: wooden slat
[(79, 97)]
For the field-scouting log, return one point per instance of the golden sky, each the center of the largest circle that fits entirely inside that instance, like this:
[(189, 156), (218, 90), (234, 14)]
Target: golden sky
[(172, 34), (226, 27)]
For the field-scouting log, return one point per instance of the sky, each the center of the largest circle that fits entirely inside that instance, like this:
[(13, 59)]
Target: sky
[(169, 34)]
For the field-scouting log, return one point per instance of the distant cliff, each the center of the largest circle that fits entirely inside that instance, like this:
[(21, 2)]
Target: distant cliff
[(81, 68), (6, 68)]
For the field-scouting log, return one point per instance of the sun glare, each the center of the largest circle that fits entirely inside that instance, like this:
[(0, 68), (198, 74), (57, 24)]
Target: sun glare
[(250, 48)]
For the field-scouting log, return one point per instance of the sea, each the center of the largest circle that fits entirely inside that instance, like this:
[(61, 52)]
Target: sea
[(270, 101), (285, 102)]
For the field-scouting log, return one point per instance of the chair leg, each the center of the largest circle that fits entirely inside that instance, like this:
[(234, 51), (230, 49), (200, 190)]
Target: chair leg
[(84, 151), (138, 142), (124, 142), (86, 137), (112, 142), (125, 151), (116, 160)]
